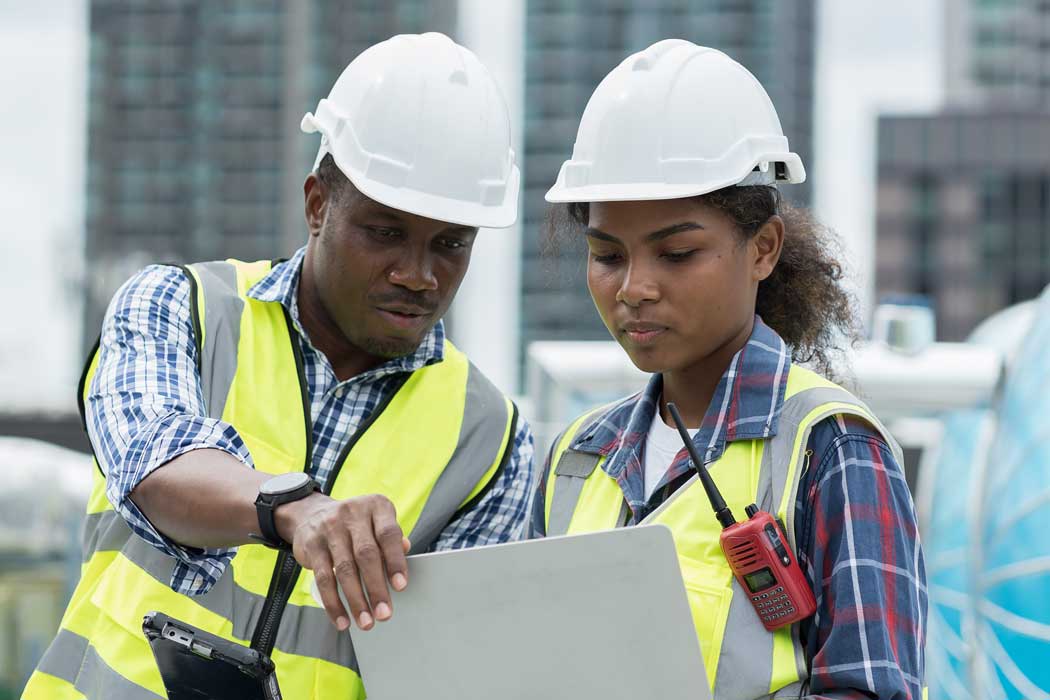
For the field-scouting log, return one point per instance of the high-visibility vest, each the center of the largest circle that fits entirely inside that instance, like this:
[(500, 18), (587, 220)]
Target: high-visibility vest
[(433, 449), (741, 658)]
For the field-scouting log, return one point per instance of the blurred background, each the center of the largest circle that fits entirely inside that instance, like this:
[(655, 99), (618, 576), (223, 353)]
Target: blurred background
[(167, 130)]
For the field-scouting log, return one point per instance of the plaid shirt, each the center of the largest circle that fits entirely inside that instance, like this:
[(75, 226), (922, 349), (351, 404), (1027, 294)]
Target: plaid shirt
[(145, 407), (856, 531)]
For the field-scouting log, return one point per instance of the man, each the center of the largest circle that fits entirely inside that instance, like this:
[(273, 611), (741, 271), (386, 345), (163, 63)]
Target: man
[(330, 369)]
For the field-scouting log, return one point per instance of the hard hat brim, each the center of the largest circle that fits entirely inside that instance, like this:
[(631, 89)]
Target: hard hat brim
[(452, 211), (645, 191)]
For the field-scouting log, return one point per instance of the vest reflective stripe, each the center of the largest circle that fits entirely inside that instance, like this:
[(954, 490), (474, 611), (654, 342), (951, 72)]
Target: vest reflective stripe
[(113, 534), (742, 659), (92, 674), (486, 412), (442, 439)]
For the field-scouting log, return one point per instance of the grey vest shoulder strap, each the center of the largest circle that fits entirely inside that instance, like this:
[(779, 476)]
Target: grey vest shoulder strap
[(779, 452), (486, 415), (570, 474), (220, 325)]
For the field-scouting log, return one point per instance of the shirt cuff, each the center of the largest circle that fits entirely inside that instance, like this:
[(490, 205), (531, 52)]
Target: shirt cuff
[(172, 436)]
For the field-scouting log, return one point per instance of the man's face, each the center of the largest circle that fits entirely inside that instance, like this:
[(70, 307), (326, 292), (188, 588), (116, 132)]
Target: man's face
[(384, 277)]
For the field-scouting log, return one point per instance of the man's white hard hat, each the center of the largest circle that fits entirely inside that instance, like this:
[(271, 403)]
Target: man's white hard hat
[(418, 124), (675, 120)]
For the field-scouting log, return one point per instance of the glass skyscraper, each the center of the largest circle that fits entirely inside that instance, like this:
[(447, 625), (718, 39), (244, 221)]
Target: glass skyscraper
[(194, 149), (963, 202)]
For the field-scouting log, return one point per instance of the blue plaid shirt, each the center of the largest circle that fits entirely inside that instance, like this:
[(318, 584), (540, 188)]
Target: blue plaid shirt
[(145, 407), (856, 532)]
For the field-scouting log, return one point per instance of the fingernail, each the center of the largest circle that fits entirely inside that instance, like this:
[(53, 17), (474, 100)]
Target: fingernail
[(342, 623), (365, 620), (382, 611), (399, 581)]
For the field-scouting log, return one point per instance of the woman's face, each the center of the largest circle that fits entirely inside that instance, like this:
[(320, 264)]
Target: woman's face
[(673, 279)]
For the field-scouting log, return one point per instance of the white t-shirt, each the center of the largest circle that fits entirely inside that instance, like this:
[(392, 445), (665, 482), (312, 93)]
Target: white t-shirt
[(661, 446)]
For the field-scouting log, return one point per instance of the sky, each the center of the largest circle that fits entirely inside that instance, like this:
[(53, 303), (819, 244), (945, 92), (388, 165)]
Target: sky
[(871, 57), (42, 106)]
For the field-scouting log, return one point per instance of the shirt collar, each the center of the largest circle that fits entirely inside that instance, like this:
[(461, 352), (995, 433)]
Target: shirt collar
[(281, 285), (746, 405)]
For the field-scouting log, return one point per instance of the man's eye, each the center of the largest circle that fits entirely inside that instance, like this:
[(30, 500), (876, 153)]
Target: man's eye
[(384, 232), (453, 243)]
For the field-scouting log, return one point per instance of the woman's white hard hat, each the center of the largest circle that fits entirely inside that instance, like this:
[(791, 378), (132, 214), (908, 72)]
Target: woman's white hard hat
[(675, 120), (418, 124)]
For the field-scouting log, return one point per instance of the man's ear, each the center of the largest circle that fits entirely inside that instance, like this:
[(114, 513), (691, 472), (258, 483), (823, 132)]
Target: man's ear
[(316, 198), (765, 247)]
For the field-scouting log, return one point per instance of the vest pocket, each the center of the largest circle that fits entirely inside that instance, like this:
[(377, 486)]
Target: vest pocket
[(709, 590)]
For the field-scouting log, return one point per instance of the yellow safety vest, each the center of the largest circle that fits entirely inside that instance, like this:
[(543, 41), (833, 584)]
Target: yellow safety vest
[(433, 449), (741, 658)]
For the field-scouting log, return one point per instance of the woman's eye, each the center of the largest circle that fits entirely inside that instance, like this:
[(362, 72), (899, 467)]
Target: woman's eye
[(606, 258), (679, 255)]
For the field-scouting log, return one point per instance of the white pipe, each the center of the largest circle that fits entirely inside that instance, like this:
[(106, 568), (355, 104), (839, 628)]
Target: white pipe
[(486, 314)]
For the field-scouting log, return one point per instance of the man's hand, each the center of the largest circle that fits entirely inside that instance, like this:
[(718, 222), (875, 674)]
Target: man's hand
[(347, 543)]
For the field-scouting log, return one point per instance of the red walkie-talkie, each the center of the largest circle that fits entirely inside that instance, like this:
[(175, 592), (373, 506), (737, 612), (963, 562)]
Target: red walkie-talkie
[(757, 552)]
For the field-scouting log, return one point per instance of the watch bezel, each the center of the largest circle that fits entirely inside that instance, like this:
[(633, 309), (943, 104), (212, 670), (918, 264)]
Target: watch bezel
[(282, 484)]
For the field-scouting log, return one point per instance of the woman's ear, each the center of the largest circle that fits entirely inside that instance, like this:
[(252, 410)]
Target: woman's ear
[(766, 246)]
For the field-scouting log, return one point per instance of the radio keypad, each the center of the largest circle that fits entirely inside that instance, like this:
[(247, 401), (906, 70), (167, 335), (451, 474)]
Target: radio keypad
[(773, 605)]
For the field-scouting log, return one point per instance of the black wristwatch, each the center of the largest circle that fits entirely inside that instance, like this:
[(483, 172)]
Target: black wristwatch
[(274, 492)]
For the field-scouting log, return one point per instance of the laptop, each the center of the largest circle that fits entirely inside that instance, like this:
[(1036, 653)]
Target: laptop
[(601, 615)]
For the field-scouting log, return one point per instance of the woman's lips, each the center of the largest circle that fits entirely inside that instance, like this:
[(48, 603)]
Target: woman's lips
[(643, 334)]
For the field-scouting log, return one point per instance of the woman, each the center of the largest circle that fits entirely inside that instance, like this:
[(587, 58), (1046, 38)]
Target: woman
[(716, 286)]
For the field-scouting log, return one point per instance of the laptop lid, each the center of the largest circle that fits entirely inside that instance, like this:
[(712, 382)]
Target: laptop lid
[(602, 615)]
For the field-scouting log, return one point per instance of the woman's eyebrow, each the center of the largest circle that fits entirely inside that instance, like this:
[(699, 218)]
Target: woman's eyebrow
[(657, 235)]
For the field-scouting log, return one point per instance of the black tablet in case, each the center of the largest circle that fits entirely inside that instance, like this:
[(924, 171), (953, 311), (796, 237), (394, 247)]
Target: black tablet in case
[(197, 665)]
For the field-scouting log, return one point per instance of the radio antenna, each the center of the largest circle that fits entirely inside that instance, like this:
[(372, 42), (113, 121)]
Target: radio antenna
[(722, 512)]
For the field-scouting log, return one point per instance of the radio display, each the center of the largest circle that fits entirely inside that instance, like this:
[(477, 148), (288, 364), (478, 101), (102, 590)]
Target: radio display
[(759, 580)]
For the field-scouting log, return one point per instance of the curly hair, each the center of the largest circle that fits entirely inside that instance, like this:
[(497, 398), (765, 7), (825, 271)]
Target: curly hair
[(803, 300)]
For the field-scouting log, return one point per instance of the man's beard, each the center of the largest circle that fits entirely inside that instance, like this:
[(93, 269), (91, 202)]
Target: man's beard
[(388, 348)]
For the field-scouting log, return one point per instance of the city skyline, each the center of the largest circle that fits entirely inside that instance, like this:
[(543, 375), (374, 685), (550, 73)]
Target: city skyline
[(964, 191), (61, 72)]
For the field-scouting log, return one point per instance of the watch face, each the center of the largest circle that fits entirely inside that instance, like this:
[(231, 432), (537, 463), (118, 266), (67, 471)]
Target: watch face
[(284, 483)]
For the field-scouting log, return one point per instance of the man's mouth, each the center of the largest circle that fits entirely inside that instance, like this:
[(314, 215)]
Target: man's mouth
[(406, 317)]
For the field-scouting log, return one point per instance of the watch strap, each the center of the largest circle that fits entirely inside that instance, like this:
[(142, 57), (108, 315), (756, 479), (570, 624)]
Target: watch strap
[(266, 504)]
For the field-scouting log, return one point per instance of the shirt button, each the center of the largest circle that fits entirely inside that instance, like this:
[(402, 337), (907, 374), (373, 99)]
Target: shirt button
[(339, 391)]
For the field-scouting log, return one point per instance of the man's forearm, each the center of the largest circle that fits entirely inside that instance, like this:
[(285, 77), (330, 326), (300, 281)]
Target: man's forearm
[(204, 498)]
